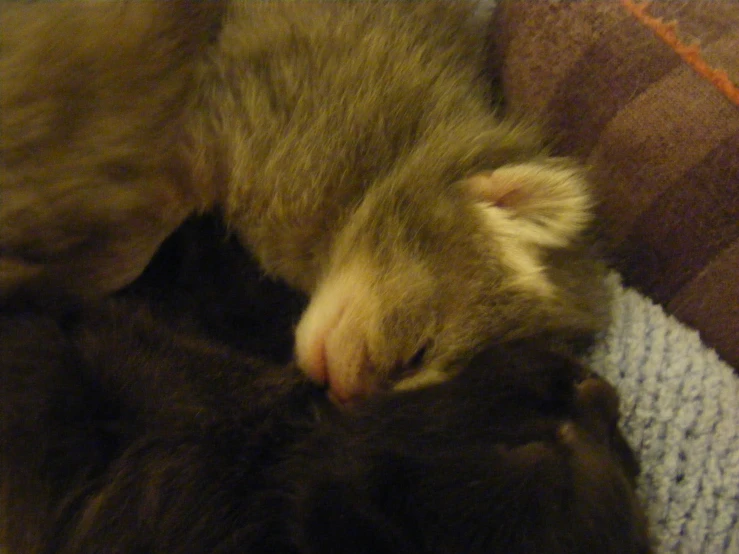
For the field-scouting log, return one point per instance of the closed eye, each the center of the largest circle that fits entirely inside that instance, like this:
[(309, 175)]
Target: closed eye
[(410, 367), (418, 357)]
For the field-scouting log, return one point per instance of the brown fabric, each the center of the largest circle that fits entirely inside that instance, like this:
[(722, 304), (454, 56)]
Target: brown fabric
[(662, 139)]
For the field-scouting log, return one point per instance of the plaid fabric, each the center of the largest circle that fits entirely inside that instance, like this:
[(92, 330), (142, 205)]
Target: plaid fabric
[(648, 94)]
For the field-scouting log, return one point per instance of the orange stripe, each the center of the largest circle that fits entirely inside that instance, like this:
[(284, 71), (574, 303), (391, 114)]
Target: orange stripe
[(690, 53)]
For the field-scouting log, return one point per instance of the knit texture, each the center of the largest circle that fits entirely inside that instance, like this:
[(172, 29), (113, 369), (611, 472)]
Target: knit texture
[(680, 406)]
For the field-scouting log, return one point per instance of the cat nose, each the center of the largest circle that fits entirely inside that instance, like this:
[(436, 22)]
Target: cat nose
[(340, 398), (346, 397), (312, 360), (312, 336), (327, 364)]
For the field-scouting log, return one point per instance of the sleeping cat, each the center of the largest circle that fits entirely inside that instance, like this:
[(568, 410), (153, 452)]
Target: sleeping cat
[(165, 420), (122, 435), (351, 147)]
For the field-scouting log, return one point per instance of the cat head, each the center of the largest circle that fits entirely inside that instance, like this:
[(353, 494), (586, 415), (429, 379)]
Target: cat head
[(417, 284)]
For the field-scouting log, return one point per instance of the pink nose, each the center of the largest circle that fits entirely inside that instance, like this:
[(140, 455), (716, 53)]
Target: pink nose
[(341, 401), (345, 397), (343, 388), (331, 348), (313, 361)]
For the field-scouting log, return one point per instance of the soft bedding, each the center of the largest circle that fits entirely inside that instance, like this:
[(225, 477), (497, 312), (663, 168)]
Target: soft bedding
[(680, 406)]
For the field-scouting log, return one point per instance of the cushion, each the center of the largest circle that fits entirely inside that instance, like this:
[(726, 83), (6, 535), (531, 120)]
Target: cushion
[(646, 93)]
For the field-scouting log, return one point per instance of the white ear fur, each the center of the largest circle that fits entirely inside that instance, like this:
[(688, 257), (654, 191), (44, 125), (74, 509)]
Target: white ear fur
[(527, 207), (543, 203)]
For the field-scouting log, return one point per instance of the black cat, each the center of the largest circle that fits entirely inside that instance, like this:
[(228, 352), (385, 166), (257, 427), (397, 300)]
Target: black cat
[(143, 425)]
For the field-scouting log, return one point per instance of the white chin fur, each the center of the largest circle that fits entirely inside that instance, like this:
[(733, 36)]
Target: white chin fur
[(422, 379)]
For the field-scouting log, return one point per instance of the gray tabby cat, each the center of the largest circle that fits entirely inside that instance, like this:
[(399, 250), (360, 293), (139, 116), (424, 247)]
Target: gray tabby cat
[(352, 147)]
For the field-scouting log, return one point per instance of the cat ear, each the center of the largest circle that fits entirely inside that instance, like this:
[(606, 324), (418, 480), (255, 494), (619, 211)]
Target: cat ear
[(542, 203)]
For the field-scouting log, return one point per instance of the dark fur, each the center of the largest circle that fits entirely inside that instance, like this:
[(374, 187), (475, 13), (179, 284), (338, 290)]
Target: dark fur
[(120, 436), (130, 426), (203, 282)]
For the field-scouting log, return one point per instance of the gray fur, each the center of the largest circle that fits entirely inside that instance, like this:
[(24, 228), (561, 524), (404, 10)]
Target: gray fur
[(352, 147)]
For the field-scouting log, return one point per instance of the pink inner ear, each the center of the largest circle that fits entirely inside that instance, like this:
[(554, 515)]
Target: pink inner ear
[(511, 199), (496, 189)]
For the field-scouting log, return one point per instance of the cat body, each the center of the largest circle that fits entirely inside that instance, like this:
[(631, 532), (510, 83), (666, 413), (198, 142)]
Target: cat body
[(364, 165), (354, 150), (123, 435), (91, 115)]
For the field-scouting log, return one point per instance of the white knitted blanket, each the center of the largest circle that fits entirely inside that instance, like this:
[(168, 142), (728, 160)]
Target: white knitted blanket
[(680, 406)]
